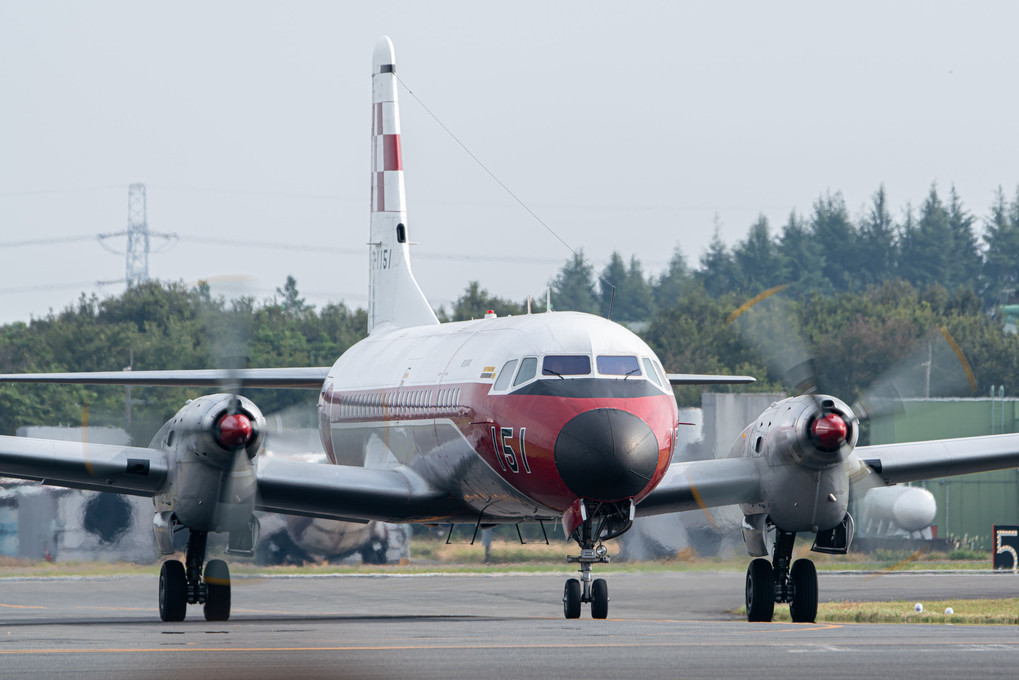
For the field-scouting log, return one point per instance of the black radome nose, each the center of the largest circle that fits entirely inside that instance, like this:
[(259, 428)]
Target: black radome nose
[(606, 454)]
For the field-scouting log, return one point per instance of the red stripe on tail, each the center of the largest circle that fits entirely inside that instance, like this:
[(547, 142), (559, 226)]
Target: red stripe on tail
[(392, 158)]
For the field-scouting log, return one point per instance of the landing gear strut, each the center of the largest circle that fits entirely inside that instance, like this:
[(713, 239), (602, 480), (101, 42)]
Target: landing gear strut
[(595, 592), (181, 585), (611, 520), (768, 584)]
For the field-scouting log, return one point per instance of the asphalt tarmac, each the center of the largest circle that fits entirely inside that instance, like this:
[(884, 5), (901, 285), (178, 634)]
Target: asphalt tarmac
[(675, 625)]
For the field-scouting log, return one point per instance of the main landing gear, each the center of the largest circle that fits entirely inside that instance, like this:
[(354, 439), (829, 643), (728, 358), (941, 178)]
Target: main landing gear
[(180, 586), (767, 585)]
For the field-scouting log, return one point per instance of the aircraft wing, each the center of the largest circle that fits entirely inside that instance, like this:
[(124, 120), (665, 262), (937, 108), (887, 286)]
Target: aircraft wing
[(310, 377), (349, 493), (80, 465), (912, 461), (705, 484), (292, 487), (705, 379)]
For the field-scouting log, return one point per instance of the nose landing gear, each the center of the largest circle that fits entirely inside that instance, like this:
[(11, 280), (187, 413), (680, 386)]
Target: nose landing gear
[(611, 519), (594, 592)]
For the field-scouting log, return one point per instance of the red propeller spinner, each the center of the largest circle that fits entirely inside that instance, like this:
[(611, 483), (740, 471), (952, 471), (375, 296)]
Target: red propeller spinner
[(830, 431), (234, 430)]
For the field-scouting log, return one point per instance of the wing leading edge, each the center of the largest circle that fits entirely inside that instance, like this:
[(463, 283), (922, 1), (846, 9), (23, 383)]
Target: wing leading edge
[(913, 461), (305, 377), (705, 484), (706, 379), (709, 483), (291, 487), (80, 465), (309, 377), (349, 493)]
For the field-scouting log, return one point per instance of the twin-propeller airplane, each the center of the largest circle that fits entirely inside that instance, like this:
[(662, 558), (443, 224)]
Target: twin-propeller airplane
[(559, 416)]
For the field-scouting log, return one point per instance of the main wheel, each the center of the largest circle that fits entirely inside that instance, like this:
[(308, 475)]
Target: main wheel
[(217, 591), (599, 599), (803, 606), (571, 599), (173, 591), (374, 552), (760, 590)]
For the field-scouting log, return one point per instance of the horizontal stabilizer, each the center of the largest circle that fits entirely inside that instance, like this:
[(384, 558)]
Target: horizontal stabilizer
[(296, 377)]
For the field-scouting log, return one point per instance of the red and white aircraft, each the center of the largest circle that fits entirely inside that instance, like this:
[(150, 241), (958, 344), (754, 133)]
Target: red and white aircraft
[(558, 416)]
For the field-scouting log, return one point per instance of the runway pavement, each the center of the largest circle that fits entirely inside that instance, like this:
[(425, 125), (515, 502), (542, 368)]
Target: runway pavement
[(673, 624)]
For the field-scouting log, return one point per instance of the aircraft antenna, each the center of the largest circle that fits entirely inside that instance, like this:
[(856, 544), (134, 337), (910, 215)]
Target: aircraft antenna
[(498, 181)]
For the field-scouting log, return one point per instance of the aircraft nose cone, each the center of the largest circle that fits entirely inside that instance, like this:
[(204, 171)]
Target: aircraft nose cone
[(606, 454)]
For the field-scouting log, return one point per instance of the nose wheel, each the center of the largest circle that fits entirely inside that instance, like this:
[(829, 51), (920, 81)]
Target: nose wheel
[(587, 590), (602, 521), (571, 599)]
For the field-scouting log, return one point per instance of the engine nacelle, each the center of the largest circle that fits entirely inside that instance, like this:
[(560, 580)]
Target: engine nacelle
[(212, 442), (225, 427), (805, 441), (815, 431)]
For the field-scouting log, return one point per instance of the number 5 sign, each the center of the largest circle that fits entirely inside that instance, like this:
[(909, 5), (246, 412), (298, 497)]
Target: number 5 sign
[(1006, 542)]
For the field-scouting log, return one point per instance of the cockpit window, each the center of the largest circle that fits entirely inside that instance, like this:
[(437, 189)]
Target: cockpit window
[(649, 369), (528, 367), (662, 375), (615, 365), (503, 381), (561, 365)]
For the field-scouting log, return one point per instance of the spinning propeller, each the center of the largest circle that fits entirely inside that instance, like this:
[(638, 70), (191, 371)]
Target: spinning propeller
[(936, 366), (229, 334)]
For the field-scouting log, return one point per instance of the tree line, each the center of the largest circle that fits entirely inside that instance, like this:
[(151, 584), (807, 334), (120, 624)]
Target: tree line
[(156, 326), (825, 253), (863, 295)]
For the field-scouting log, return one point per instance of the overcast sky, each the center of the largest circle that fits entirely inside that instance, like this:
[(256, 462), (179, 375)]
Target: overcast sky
[(624, 126)]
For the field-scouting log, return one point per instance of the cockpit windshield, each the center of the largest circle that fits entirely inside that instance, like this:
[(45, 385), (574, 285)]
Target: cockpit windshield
[(560, 365), (618, 365), (614, 375)]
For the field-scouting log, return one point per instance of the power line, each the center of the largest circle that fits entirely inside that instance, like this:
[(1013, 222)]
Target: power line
[(57, 286), (254, 192), (46, 241), (332, 250), (285, 245), (57, 192)]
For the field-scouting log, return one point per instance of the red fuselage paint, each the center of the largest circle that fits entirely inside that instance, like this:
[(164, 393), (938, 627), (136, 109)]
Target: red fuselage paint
[(514, 435)]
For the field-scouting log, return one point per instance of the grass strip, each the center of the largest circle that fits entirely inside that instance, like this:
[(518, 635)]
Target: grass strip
[(987, 612)]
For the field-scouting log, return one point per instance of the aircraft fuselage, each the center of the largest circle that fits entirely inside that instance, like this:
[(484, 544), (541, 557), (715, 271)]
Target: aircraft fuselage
[(518, 417)]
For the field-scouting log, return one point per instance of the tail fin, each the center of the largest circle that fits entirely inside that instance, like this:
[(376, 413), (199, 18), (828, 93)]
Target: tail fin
[(394, 297)]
